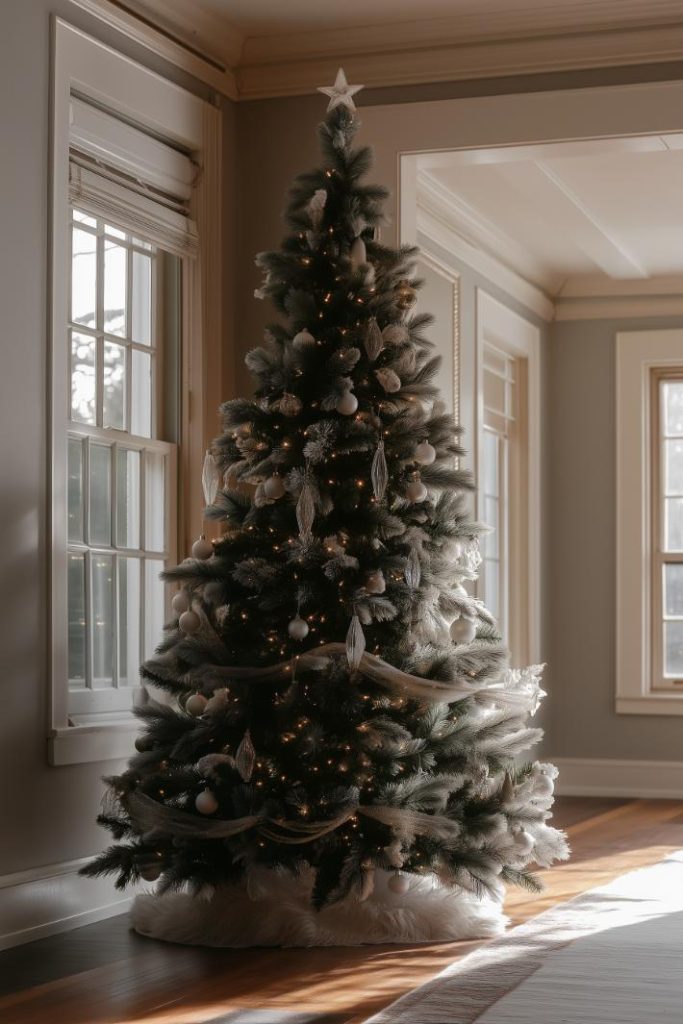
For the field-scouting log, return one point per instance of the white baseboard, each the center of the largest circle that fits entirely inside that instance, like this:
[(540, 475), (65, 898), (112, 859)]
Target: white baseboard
[(54, 898), (585, 776)]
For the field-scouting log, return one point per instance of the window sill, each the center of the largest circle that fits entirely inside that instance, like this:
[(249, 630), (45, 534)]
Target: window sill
[(651, 704), (82, 744)]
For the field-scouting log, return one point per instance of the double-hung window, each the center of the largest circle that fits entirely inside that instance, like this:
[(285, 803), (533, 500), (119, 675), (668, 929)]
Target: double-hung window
[(649, 584), (508, 471), (130, 184)]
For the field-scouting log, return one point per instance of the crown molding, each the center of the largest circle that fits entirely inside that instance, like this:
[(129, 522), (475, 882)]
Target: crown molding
[(179, 52), (576, 35)]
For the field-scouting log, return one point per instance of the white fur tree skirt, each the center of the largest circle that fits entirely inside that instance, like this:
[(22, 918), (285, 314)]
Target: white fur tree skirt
[(273, 909)]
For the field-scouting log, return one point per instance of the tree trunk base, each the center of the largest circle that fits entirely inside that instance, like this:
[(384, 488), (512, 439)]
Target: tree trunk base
[(273, 909)]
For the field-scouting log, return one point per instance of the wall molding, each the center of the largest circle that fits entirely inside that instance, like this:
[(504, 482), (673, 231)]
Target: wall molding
[(586, 776), (610, 307), (54, 898), (543, 38)]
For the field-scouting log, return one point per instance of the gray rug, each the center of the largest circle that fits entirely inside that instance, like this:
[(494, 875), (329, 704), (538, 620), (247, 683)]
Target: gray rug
[(613, 955)]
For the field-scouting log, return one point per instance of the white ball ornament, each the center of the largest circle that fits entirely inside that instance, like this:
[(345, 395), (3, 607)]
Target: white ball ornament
[(274, 487), (543, 785), (375, 583), (150, 872), (195, 705), (416, 491), (206, 802), (425, 453), (180, 602), (202, 548), (189, 622), (524, 842), (399, 884), (463, 631), (298, 628), (347, 404)]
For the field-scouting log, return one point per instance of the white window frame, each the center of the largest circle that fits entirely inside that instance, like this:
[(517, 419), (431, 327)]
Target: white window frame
[(501, 328), (84, 67), (638, 354)]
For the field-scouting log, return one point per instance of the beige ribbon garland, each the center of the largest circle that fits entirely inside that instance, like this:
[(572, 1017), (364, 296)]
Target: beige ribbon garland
[(149, 814), (381, 672)]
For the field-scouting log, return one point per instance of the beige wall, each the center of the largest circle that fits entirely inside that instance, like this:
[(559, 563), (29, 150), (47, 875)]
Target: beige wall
[(581, 721), (48, 813)]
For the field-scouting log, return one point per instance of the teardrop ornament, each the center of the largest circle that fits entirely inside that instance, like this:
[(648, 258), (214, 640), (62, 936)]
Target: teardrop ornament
[(245, 758), (379, 473), (355, 643), (373, 341)]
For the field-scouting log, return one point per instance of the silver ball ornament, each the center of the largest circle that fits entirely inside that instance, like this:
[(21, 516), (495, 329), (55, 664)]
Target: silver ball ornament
[(189, 622), (298, 628), (274, 487), (425, 453), (196, 705), (303, 338), (202, 548), (180, 602), (399, 884), (375, 583), (347, 404), (463, 631), (416, 491), (206, 802)]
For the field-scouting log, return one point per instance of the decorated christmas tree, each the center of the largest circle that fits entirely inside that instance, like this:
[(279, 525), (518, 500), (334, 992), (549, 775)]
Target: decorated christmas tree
[(337, 758)]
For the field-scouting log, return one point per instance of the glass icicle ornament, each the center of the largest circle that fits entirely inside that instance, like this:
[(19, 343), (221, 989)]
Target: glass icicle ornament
[(355, 643), (358, 255), (303, 339), (245, 758), (379, 473), (372, 340), (210, 479), (305, 508)]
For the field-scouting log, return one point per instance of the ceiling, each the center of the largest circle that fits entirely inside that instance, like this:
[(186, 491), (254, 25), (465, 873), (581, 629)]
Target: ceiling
[(603, 216), (258, 48)]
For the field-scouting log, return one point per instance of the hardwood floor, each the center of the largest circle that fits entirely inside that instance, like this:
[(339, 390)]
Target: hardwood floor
[(105, 974)]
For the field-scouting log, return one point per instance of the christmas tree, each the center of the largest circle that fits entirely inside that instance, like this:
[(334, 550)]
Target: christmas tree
[(339, 757)]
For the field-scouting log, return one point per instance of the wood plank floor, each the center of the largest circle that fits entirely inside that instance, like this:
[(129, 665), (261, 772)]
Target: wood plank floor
[(105, 974)]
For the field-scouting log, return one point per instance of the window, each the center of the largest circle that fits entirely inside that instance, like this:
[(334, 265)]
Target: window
[(667, 528), (135, 266), (507, 359), (649, 584), (121, 460)]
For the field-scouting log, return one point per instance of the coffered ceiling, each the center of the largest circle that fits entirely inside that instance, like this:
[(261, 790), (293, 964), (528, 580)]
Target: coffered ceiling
[(595, 218), (272, 47)]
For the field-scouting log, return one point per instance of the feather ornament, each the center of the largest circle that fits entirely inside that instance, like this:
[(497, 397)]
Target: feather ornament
[(355, 643), (316, 206), (412, 571), (389, 379)]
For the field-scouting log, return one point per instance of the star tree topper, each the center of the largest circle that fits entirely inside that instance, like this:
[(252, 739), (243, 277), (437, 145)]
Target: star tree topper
[(341, 93)]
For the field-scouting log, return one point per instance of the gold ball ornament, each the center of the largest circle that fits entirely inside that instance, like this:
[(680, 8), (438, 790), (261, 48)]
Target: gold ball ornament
[(406, 296)]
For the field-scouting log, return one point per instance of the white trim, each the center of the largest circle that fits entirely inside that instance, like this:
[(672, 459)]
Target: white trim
[(614, 307), (586, 776), (637, 352), (554, 37), (76, 744), (497, 324), (55, 898), (86, 67), (180, 53)]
